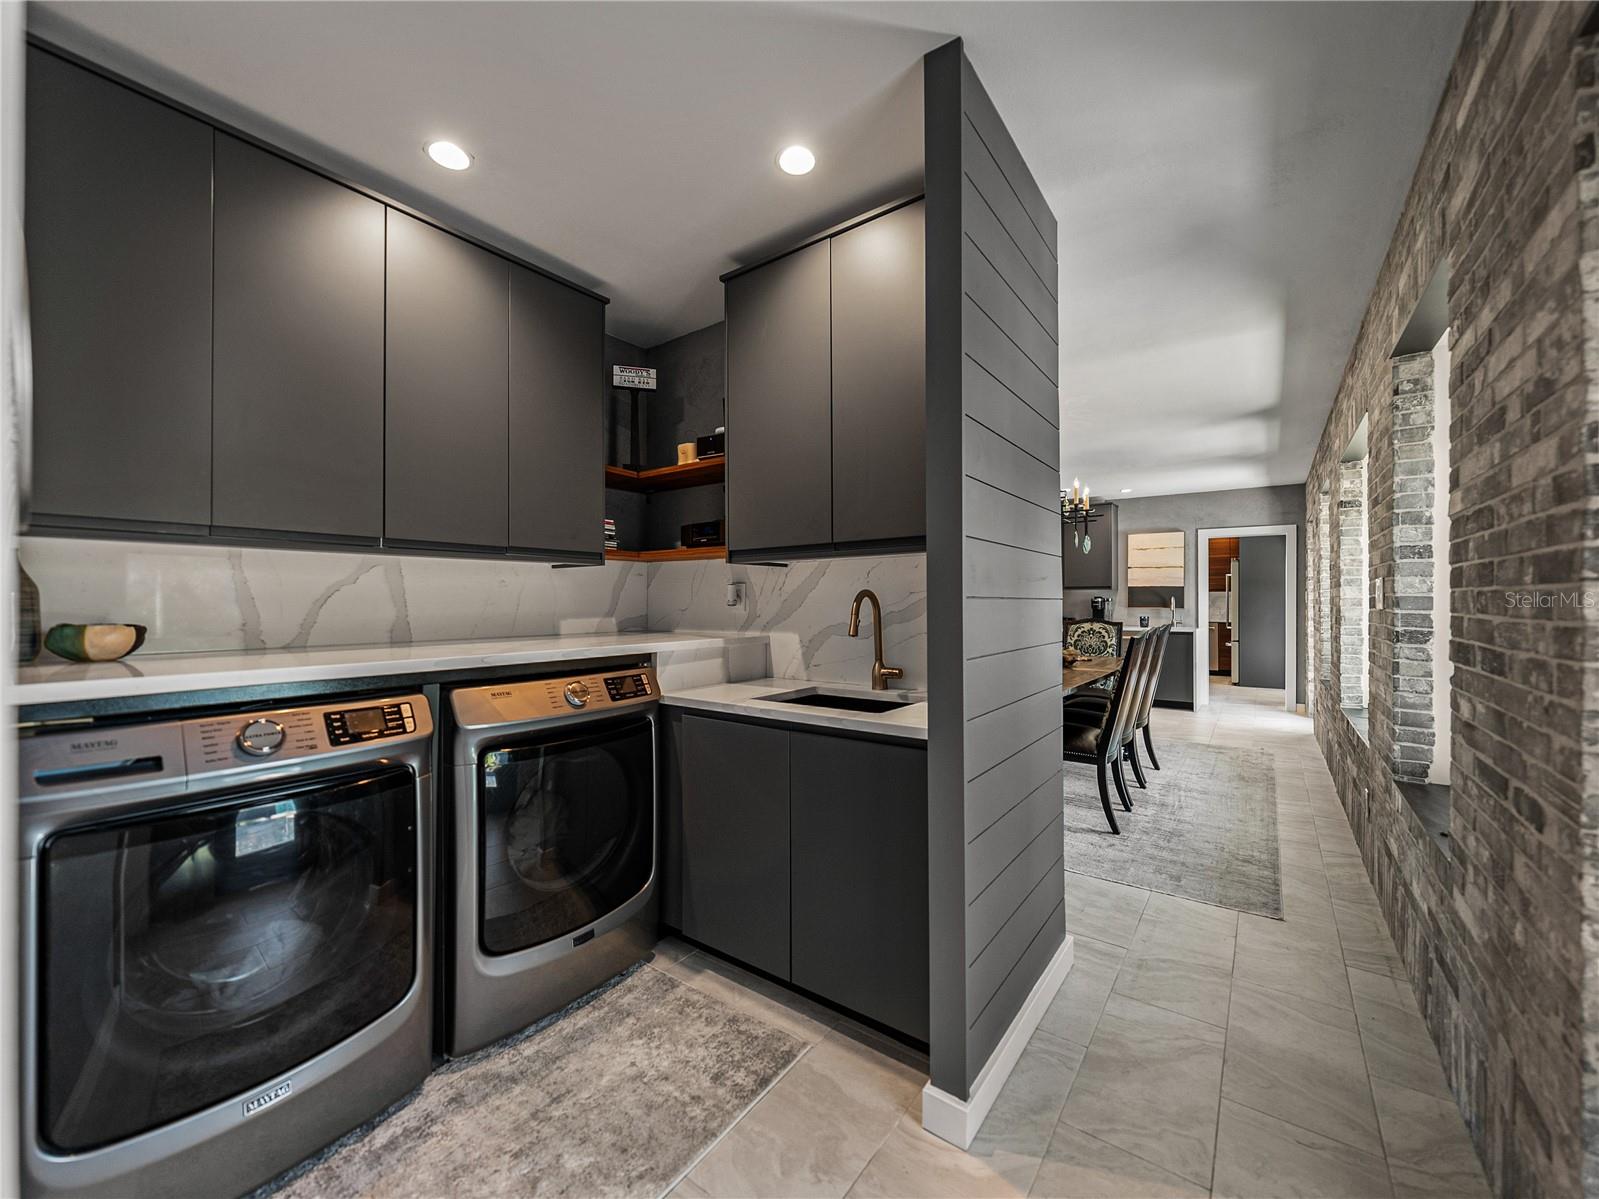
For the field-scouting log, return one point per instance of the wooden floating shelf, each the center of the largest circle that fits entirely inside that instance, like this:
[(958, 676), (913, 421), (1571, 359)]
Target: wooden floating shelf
[(666, 478), (694, 553)]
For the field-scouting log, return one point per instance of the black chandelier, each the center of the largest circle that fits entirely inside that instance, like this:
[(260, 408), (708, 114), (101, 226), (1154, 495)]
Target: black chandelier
[(1077, 510)]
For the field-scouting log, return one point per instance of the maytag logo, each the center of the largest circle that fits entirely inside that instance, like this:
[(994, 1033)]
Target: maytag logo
[(268, 1098), (84, 747)]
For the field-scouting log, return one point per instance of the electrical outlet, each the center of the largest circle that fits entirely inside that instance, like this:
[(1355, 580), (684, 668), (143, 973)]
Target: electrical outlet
[(735, 595)]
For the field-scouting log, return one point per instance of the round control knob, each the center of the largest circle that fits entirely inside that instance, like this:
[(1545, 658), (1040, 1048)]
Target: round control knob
[(577, 693), (261, 738)]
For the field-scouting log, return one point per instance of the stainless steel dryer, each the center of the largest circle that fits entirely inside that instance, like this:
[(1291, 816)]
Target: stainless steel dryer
[(554, 846), (226, 942)]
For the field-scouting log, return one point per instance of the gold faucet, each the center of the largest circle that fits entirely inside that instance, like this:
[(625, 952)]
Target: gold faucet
[(880, 673)]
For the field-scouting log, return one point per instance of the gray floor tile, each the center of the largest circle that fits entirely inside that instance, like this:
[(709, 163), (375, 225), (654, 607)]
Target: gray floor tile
[(1397, 1045), (1303, 958), (1080, 1166), (912, 1163), (1102, 910), (1074, 1012), (1301, 1061), (1429, 1152), (1363, 931), (1016, 1132), (1259, 1155), (776, 1005), (816, 1129), (1181, 966), (1149, 1085)]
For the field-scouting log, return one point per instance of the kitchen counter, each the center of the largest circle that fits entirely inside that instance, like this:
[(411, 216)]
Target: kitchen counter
[(59, 682), (746, 699)]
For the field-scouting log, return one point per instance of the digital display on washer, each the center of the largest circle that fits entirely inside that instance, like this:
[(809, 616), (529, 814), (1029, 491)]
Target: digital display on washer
[(627, 686), (364, 720)]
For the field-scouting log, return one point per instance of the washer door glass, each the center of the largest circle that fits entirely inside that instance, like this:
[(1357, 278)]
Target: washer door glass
[(194, 954), (568, 831)]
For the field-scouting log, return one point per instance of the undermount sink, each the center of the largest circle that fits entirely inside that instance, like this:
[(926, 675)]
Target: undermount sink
[(841, 701)]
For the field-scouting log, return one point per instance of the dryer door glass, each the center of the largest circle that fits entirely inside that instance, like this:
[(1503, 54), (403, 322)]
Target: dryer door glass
[(196, 953), (568, 824)]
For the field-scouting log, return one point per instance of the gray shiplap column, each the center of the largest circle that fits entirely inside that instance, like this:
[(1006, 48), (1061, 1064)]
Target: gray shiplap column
[(994, 577)]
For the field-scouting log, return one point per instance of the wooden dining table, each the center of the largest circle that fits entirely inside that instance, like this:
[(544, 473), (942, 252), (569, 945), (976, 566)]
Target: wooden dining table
[(1084, 671)]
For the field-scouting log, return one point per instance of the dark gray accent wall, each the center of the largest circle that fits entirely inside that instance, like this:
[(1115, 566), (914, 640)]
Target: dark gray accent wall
[(995, 887), (691, 402), (1190, 513)]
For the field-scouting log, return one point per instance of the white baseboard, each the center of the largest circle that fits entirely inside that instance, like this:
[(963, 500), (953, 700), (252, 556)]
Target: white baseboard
[(957, 1121)]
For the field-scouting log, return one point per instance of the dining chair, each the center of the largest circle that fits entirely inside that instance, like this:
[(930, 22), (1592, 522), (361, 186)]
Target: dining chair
[(1095, 639), (1100, 735), (1148, 685)]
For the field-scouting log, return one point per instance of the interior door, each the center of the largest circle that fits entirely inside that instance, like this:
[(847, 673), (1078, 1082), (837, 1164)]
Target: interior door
[(1232, 620), (1263, 611)]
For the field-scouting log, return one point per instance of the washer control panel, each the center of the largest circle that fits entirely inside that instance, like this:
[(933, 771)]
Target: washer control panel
[(544, 699), (350, 726)]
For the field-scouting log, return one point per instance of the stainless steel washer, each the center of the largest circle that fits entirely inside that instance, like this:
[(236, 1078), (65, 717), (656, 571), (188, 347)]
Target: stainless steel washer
[(554, 831), (226, 942)]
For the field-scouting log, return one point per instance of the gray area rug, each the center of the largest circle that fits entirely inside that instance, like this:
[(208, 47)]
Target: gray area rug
[(1206, 829), (617, 1097)]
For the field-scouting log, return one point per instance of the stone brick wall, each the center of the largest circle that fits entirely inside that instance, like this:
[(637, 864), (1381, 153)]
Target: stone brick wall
[(1320, 536), (1402, 629), (1491, 930), (1352, 554)]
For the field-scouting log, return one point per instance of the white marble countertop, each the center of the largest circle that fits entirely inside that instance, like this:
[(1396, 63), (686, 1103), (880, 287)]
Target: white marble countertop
[(749, 699), (58, 681)]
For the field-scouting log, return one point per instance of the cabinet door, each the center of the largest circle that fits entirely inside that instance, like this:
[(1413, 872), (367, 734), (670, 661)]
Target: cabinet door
[(779, 400), (735, 840), (557, 429), (860, 876), (1096, 569), (118, 227), (447, 364), (879, 372), (1175, 686), (298, 410)]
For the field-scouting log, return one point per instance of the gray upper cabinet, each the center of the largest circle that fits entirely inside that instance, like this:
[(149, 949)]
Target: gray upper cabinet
[(448, 378), (826, 394), (557, 427), (779, 401), (879, 372), (1096, 569), (118, 226), (298, 408)]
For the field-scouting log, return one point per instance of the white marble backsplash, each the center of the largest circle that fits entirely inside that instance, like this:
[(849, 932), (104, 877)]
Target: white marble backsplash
[(201, 598), (197, 598), (804, 610)]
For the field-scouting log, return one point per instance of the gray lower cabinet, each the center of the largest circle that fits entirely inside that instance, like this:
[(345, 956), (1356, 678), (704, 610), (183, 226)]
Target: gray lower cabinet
[(879, 380), (118, 226), (557, 428), (1175, 686), (779, 405), (447, 363), (801, 854), (734, 869), (859, 863), (298, 378)]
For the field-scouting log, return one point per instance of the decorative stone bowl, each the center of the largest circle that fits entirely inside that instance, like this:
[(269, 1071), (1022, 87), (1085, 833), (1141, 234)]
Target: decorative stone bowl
[(94, 642)]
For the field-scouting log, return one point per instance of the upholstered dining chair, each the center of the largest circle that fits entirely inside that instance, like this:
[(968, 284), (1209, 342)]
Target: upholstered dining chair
[(1094, 638), (1084, 701), (1100, 735)]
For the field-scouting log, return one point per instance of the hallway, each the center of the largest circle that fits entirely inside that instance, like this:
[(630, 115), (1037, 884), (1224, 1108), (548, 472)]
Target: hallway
[(1193, 1050)]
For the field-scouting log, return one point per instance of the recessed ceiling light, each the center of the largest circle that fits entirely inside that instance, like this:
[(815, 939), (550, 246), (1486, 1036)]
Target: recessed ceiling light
[(796, 160), (449, 156), (1125, 490)]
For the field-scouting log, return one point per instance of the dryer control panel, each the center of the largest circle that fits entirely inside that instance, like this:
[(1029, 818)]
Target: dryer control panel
[(547, 699)]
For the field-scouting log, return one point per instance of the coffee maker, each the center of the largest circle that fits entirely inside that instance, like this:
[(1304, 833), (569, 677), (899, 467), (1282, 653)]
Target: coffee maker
[(1100, 605)]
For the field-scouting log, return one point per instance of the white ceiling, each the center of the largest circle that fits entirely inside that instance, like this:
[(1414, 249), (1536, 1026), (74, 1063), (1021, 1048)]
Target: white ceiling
[(1227, 176)]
